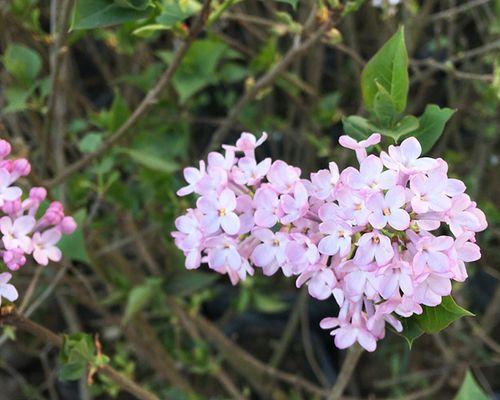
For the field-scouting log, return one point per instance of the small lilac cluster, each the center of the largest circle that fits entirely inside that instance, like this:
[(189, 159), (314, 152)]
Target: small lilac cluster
[(22, 232), (362, 235)]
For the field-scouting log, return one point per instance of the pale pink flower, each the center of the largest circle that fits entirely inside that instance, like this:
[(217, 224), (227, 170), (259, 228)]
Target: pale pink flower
[(432, 254), (323, 182), (431, 290), (353, 205), (405, 158), (223, 254), (465, 251), (7, 290), (283, 177), (429, 193), (249, 172), (247, 143), (370, 176), (270, 254), (218, 212), (189, 227), (296, 206), (44, 246), (322, 284), (337, 239), (374, 245), (387, 209), (7, 192), (346, 334), (217, 160), (266, 205), (192, 177), (359, 147), (15, 233)]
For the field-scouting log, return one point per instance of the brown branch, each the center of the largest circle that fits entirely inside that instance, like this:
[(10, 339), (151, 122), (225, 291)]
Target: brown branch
[(22, 323), (148, 100), (348, 366)]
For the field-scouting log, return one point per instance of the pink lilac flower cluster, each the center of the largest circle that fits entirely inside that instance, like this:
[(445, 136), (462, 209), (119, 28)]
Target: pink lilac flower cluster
[(23, 231), (383, 239)]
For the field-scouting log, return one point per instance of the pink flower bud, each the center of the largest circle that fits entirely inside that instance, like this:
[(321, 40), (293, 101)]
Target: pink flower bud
[(4, 148), (67, 225)]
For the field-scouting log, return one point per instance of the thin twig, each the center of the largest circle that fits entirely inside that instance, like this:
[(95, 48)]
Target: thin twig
[(457, 10), (148, 100)]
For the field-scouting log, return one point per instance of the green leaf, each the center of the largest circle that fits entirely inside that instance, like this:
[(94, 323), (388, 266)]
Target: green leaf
[(189, 282), (432, 319), (470, 390), (17, 99), (22, 62), (384, 108), (432, 123), (352, 6), (198, 69), (135, 4), (268, 304), (139, 297), (435, 319), (293, 3), (90, 142), (77, 352), (411, 331), (176, 11), (90, 14), (73, 246), (151, 161), (357, 127), (72, 371), (388, 68), (407, 125)]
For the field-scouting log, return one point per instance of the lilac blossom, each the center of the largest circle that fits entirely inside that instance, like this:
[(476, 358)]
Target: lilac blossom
[(25, 232), (368, 236)]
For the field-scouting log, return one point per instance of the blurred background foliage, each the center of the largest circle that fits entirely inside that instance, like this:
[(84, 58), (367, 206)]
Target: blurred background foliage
[(73, 82)]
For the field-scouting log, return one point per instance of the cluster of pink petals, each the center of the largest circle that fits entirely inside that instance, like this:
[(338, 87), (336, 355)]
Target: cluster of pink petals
[(383, 239), (25, 231)]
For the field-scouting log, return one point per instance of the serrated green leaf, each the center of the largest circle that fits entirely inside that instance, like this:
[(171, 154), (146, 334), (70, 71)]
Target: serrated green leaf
[(388, 68), (432, 123), (151, 161), (22, 62), (357, 127), (470, 390), (90, 14), (435, 319), (73, 246)]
